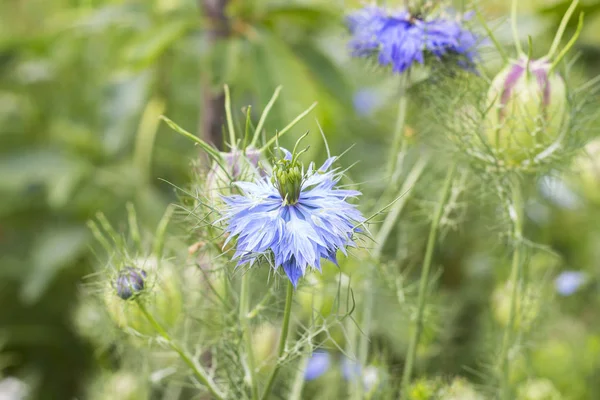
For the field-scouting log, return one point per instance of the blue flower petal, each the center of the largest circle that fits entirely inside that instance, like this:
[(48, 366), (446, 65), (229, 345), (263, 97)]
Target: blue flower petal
[(317, 365)]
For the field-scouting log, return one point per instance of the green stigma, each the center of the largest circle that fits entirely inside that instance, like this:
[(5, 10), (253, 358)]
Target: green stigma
[(287, 178)]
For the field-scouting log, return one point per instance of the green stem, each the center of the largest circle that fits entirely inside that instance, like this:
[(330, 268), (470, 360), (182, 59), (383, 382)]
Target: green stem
[(515, 279), (515, 31), (418, 326), (298, 385), (282, 339), (398, 141), (380, 240), (230, 128), (244, 320), (202, 376)]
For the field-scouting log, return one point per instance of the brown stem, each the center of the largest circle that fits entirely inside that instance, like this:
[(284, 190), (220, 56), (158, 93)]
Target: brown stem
[(212, 111)]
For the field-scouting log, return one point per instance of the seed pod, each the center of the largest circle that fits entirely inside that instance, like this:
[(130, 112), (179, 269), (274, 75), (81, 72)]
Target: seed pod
[(234, 166), (527, 109)]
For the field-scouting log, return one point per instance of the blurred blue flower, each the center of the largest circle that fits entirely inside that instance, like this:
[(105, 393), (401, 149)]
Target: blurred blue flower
[(568, 282), (317, 365), (297, 217), (350, 369), (401, 39), (366, 101)]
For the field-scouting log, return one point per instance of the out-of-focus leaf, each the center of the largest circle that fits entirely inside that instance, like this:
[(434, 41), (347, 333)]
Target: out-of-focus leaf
[(299, 15), (144, 51), (54, 250), (325, 72), (32, 167), (125, 98)]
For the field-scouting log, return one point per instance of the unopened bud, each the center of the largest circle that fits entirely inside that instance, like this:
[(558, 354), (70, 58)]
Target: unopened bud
[(538, 389), (527, 306), (130, 282), (162, 296), (528, 106)]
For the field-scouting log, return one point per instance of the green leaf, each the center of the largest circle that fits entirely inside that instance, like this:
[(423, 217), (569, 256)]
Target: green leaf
[(53, 251), (144, 52), (325, 72)]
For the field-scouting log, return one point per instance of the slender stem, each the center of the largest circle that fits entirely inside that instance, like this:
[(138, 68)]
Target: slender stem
[(244, 320), (202, 376), (230, 128), (515, 279), (282, 339), (561, 29), (298, 385), (380, 240), (288, 127), (263, 117), (418, 326), (398, 141), (515, 31)]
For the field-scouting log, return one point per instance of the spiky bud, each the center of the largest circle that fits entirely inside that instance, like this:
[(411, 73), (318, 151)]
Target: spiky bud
[(161, 296), (130, 282), (527, 109)]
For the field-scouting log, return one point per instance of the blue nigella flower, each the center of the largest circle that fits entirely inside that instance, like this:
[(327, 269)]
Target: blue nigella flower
[(568, 282), (317, 365), (296, 217), (401, 39), (367, 101)]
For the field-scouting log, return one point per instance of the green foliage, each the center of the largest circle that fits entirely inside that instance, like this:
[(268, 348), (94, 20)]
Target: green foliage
[(83, 86)]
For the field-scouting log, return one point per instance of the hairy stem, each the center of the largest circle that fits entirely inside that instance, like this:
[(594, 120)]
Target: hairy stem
[(423, 283), (196, 368), (282, 339), (515, 279), (244, 320)]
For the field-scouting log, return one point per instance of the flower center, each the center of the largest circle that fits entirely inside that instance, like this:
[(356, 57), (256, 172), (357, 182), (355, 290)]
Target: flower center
[(287, 178)]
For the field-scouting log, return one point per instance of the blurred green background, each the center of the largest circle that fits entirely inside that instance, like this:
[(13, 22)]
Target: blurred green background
[(82, 84)]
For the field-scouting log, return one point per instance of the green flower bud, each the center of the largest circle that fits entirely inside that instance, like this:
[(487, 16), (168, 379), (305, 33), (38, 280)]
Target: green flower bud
[(528, 107), (264, 344), (586, 170), (459, 389), (123, 386), (527, 308), (161, 297), (538, 389)]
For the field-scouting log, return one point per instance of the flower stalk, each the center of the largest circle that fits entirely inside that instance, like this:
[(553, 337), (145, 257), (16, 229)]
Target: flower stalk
[(399, 144), (196, 368), (516, 278), (285, 326), (244, 321), (422, 295)]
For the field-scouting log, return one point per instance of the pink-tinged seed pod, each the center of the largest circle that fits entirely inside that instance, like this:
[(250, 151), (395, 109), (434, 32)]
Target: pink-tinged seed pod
[(527, 109), (235, 165)]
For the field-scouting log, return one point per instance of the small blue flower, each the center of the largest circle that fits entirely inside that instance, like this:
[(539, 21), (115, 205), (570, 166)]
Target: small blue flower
[(350, 369), (568, 282), (401, 39), (293, 216), (317, 365), (366, 101)]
